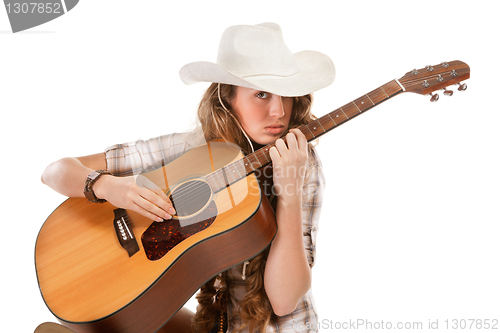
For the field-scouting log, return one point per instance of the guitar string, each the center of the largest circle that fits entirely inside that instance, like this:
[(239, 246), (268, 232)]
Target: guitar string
[(416, 81), (181, 193)]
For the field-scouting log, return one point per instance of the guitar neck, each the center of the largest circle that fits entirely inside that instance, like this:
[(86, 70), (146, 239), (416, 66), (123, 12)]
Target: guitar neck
[(318, 127), (249, 164)]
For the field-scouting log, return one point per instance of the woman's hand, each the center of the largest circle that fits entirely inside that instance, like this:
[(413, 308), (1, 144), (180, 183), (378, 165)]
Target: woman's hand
[(124, 192), (289, 164), (67, 176)]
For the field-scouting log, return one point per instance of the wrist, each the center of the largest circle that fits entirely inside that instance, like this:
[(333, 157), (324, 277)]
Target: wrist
[(289, 211), (290, 201), (101, 185), (92, 184)]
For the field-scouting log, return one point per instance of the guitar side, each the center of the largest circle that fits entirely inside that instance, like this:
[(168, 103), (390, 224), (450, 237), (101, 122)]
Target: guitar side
[(91, 284)]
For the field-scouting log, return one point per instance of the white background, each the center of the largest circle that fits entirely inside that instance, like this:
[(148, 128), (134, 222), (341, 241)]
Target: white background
[(410, 223)]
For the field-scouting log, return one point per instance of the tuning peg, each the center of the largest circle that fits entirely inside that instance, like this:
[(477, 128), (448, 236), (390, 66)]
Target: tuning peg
[(462, 87), (447, 92), (434, 97)]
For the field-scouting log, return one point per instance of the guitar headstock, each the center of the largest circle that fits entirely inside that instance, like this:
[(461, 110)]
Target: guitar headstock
[(431, 78)]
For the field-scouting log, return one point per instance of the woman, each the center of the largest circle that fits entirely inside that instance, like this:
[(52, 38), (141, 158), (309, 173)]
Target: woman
[(260, 92)]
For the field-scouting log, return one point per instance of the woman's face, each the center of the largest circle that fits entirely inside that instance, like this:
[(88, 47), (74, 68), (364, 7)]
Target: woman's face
[(263, 116)]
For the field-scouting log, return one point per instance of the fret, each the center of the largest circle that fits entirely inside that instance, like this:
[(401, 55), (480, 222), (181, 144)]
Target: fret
[(262, 155), (340, 117), (350, 110), (231, 172), (357, 106), (240, 167), (329, 116), (219, 182), (384, 92), (252, 158), (363, 103), (315, 128), (216, 181), (313, 136), (377, 95), (319, 123), (344, 114), (370, 99), (248, 165), (225, 174), (392, 88), (223, 178), (263, 152), (266, 154), (327, 122)]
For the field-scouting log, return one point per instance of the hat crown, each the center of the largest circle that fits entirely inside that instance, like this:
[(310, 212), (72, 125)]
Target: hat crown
[(247, 50)]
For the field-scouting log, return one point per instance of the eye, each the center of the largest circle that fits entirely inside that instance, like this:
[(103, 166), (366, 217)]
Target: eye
[(262, 94)]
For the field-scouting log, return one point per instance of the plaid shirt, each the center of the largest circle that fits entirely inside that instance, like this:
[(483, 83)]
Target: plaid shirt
[(143, 156)]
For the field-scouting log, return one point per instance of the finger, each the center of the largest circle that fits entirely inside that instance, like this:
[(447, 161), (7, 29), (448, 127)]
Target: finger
[(146, 213), (170, 206), (159, 198), (145, 183), (152, 202), (275, 155), (280, 145), (291, 141), (301, 139)]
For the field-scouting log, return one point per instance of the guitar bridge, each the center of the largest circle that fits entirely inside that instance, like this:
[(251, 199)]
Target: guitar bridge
[(124, 232)]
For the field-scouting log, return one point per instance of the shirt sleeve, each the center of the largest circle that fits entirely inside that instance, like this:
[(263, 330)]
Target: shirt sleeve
[(145, 155), (312, 198)]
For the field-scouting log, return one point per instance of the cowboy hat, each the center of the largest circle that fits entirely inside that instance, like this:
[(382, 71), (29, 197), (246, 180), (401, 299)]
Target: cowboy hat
[(256, 57)]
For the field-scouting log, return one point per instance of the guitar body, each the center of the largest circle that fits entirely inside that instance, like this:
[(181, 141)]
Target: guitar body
[(101, 269)]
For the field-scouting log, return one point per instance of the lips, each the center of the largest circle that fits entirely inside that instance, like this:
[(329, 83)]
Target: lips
[(274, 129)]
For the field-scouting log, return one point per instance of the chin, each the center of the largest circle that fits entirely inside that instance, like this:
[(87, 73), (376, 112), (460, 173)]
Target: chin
[(266, 141)]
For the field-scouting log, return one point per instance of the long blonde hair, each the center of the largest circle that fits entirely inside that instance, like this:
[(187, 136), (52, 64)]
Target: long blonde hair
[(218, 121)]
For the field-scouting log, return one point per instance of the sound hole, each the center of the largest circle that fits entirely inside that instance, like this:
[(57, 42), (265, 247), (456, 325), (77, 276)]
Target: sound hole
[(190, 197), (190, 201)]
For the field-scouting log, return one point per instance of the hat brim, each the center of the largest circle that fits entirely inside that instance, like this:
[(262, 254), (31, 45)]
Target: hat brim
[(315, 71)]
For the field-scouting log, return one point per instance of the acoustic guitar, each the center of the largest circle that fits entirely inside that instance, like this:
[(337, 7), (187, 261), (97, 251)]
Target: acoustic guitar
[(104, 269)]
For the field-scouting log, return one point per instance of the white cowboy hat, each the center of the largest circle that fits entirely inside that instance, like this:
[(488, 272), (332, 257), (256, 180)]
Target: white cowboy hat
[(255, 56)]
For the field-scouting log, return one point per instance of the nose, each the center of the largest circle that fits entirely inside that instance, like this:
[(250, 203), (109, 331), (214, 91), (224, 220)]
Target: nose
[(276, 108)]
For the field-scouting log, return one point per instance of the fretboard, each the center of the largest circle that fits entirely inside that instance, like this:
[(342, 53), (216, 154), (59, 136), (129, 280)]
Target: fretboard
[(235, 171)]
